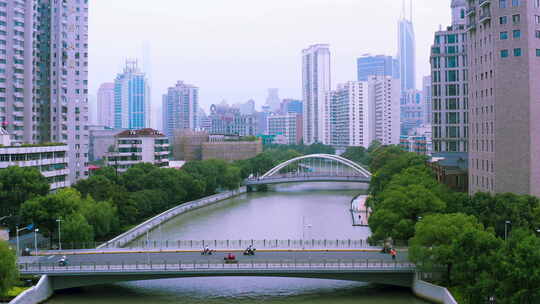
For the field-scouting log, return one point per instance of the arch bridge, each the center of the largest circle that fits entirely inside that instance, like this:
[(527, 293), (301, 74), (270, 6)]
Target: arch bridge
[(313, 168)]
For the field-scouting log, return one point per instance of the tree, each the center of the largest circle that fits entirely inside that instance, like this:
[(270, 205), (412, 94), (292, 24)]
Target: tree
[(99, 187), (475, 253), (9, 273), (102, 216), (18, 185), (400, 208), (43, 211), (433, 242), (495, 210), (518, 262), (392, 166), (381, 155), (77, 230), (148, 203), (357, 154)]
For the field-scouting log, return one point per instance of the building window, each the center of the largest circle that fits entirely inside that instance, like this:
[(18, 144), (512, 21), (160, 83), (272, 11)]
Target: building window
[(517, 52), (537, 19), (516, 34), (504, 53), (503, 20), (537, 52), (502, 3), (503, 35), (516, 19), (537, 33), (536, 3), (515, 3)]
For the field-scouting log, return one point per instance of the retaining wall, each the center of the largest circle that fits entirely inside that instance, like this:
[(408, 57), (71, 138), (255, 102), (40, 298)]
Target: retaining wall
[(132, 234), (37, 294), (433, 293)]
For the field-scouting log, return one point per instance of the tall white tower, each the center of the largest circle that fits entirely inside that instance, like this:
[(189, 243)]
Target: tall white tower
[(316, 82)]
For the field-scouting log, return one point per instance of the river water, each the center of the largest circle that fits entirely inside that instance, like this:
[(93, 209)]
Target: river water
[(313, 211)]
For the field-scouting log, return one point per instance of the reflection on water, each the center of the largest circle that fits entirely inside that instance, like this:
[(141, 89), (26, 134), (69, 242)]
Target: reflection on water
[(277, 214)]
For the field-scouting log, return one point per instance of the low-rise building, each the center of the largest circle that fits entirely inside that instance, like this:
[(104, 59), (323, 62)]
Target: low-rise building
[(50, 159), (139, 146), (102, 138), (231, 150), (187, 144), (451, 169)]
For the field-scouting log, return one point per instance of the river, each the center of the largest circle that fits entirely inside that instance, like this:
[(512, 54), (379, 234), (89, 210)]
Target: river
[(315, 211)]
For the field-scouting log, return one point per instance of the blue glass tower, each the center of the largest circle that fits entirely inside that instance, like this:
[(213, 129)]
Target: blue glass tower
[(378, 65), (407, 53), (131, 99)]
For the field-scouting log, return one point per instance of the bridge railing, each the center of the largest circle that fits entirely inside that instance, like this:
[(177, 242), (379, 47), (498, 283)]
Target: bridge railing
[(209, 265), (223, 244)]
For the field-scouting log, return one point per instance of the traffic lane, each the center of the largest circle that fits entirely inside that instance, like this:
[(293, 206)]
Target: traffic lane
[(185, 257)]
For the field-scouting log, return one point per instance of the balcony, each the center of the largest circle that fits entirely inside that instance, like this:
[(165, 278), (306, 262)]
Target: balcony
[(471, 26), (485, 16), (470, 11), (483, 3)]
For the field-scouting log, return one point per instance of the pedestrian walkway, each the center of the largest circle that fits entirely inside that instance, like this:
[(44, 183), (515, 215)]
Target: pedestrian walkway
[(359, 211)]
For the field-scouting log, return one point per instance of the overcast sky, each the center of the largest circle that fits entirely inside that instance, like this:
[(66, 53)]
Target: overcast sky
[(236, 49)]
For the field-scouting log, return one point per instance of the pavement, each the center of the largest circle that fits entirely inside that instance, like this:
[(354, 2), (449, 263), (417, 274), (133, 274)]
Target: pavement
[(187, 256)]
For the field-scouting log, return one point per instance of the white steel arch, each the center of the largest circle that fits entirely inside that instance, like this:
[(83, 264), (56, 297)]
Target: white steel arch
[(356, 167)]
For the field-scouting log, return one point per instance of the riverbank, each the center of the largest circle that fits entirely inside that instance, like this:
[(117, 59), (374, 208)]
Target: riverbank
[(149, 225)]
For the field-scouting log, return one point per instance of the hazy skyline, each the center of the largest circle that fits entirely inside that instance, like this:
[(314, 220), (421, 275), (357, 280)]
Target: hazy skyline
[(235, 50)]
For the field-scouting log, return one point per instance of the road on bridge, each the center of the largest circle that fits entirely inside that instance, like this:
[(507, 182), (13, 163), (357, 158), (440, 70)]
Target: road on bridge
[(174, 257)]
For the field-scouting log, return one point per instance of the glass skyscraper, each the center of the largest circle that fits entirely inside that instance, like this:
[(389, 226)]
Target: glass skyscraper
[(379, 65), (407, 54), (131, 99)]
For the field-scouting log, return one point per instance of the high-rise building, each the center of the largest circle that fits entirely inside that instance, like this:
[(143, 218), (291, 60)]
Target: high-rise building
[(292, 106), (413, 110), (351, 115), (131, 98), (385, 95), (364, 111), (180, 108), (105, 105), (449, 77), (504, 86), (288, 125), (406, 52), (44, 73), (226, 120), (379, 65), (273, 100), (316, 82), (426, 94)]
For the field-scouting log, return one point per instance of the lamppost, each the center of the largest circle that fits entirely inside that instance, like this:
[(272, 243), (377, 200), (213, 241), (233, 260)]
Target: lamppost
[(506, 223), (304, 226), (59, 235), (35, 240), (17, 230)]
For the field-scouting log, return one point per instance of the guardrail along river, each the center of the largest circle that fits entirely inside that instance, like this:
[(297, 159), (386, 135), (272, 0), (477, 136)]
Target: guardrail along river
[(313, 211)]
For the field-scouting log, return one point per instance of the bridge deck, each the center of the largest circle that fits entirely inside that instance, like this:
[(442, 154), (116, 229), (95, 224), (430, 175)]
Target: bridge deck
[(304, 179)]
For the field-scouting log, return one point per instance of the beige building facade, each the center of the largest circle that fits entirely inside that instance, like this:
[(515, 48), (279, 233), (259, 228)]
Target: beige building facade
[(504, 95)]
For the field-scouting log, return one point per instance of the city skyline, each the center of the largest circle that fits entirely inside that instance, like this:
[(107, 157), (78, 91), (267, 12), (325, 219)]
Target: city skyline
[(217, 75)]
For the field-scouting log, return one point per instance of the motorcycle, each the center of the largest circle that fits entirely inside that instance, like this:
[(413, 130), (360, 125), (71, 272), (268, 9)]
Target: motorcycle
[(63, 262), (249, 251), (207, 251)]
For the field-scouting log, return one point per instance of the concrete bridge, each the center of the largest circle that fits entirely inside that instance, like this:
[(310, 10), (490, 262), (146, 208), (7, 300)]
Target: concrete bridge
[(85, 274), (313, 168)]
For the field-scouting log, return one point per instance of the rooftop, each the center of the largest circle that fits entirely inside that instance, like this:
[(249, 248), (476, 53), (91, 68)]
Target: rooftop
[(140, 133)]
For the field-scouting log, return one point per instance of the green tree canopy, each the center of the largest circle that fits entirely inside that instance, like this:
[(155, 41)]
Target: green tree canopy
[(433, 242), (76, 230), (399, 209), (43, 211), (18, 185), (9, 273)]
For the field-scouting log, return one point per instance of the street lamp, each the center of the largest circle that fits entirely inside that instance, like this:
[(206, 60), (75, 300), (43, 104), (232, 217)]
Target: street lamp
[(17, 230), (59, 235), (506, 229), (35, 240)]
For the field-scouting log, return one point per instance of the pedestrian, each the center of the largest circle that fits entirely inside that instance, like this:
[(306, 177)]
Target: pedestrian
[(393, 253)]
